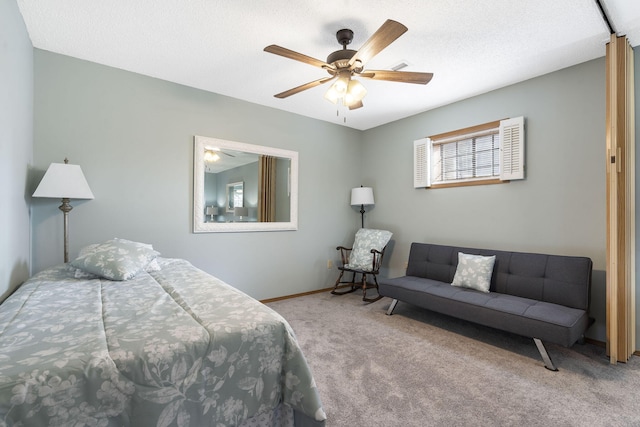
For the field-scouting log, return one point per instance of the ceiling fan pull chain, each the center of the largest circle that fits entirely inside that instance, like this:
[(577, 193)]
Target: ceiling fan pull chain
[(344, 116)]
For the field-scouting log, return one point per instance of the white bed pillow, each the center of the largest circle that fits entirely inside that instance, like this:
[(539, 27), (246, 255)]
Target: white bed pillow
[(154, 265), (115, 259), (474, 271), (81, 274)]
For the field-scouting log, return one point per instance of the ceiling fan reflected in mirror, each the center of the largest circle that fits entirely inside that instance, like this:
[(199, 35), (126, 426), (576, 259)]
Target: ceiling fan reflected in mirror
[(211, 154), (345, 64)]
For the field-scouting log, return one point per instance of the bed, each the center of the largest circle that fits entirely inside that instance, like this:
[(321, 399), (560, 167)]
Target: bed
[(164, 345)]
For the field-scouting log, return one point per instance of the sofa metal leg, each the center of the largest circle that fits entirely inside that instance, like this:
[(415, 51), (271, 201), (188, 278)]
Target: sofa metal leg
[(392, 307), (545, 356)]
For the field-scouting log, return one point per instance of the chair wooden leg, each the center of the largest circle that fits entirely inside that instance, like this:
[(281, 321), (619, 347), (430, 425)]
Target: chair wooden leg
[(354, 286), (339, 281), (365, 286)]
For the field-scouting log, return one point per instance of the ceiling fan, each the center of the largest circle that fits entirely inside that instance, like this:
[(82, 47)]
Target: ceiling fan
[(344, 64), (211, 154)]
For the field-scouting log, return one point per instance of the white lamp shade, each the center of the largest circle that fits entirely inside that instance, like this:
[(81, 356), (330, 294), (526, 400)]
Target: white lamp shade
[(212, 210), (355, 92), (362, 196), (64, 181), (332, 95)]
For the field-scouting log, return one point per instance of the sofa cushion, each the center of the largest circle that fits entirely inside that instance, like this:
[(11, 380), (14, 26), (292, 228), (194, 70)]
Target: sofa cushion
[(523, 316), (474, 271)]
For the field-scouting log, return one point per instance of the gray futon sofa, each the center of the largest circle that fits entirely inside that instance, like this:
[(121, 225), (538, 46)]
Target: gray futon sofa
[(545, 297)]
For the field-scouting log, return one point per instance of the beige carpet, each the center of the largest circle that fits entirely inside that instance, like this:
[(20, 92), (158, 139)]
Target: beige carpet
[(419, 368)]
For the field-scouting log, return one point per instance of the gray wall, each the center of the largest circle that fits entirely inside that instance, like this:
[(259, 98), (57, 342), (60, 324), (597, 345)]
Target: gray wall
[(16, 146), (133, 137), (559, 208)]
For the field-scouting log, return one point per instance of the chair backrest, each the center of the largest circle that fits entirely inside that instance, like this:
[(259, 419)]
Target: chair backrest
[(367, 239)]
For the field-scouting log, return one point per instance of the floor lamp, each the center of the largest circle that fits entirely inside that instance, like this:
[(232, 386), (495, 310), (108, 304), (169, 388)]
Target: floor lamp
[(66, 182), (362, 196)]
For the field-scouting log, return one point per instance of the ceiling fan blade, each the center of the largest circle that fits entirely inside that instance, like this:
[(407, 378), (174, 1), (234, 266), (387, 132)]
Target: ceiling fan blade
[(383, 37), (303, 87), (398, 76), (288, 53), (356, 106)]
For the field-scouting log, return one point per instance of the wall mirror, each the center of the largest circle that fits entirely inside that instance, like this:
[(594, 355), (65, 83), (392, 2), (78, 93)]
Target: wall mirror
[(243, 187), (235, 194)]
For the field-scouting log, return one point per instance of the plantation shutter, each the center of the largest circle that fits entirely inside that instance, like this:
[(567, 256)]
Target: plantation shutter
[(512, 149), (422, 163)]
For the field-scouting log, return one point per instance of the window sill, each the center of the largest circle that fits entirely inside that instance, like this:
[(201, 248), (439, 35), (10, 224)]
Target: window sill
[(467, 183)]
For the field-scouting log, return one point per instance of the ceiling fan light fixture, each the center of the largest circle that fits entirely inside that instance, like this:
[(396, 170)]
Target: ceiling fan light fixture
[(332, 95), (341, 85), (349, 92), (211, 156), (338, 89), (355, 93)]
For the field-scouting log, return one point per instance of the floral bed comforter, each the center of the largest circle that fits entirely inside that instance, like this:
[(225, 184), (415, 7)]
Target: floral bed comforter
[(174, 347)]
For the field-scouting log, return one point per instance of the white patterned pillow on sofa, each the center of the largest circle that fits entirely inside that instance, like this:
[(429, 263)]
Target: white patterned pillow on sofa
[(474, 271), (367, 239)]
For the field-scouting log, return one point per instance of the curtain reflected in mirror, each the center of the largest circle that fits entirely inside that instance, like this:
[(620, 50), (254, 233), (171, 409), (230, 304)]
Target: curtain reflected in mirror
[(267, 189), (273, 189), (230, 175)]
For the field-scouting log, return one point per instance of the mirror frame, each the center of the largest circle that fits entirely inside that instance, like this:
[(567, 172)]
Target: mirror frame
[(199, 224)]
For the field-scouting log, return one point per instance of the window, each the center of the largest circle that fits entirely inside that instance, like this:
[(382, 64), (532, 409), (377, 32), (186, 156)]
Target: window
[(488, 153)]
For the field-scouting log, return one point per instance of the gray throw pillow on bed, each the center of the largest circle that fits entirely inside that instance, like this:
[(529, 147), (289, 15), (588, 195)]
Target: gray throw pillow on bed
[(115, 259), (474, 271)]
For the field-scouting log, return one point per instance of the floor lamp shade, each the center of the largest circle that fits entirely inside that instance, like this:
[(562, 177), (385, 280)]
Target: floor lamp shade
[(66, 182), (63, 180), (362, 196)]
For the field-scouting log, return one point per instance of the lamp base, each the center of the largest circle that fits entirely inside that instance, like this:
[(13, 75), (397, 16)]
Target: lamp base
[(66, 207), (362, 215)]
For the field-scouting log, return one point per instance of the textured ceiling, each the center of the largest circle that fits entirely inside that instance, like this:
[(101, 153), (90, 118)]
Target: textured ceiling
[(472, 47)]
